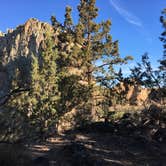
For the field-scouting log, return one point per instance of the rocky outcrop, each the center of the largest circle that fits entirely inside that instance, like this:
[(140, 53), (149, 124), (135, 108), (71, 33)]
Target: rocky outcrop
[(133, 94), (21, 43), (25, 40), (137, 95)]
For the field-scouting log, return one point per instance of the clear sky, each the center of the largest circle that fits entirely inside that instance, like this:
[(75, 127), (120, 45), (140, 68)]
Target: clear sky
[(135, 23)]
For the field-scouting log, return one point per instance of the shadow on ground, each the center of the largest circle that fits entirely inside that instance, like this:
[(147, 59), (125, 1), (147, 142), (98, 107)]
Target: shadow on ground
[(131, 141)]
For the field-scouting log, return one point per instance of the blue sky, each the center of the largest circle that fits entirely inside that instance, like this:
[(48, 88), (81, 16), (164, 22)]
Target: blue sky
[(135, 23)]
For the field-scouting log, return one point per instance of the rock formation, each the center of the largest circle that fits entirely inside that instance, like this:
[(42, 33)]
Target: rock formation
[(25, 40), (22, 42)]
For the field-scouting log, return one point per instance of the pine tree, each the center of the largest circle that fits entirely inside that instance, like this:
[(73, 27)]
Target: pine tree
[(68, 19), (68, 65), (84, 44), (97, 46), (45, 90), (39, 104), (145, 75)]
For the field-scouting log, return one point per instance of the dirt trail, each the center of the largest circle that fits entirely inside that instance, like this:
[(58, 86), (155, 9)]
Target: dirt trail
[(94, 145), (96, 149)]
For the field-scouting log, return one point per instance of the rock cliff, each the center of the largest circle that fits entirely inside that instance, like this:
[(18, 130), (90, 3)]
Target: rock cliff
[(22, 42)]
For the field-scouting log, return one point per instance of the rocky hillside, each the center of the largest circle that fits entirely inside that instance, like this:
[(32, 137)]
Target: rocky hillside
[(22, 42)]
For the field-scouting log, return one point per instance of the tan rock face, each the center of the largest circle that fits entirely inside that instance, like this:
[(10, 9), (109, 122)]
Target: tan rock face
[(137, 95), (134, 94), (25, 40)]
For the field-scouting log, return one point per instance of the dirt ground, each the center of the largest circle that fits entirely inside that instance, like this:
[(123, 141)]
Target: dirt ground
[(87, 147)]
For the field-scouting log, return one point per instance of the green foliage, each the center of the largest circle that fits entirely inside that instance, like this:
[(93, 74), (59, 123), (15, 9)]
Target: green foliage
[(39, 104), (68, 20), (72, 92), (145, 75), (44, 93), (66, 74), (100, 53), (13, 126), (82, 46)]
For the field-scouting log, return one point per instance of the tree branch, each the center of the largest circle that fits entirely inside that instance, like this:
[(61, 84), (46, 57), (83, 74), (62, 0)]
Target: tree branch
[(4, 99)]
